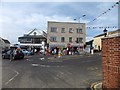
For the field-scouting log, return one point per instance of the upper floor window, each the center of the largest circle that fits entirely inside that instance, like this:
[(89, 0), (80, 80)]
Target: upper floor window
[(70, 30), (62, 39), (62, 30), (79, 40), (53, 29), (79, 30), (53, 39)]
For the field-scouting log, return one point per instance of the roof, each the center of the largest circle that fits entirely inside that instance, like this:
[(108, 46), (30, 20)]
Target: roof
[(89, 42), (99, 35), (109, 33), (6, 41), (65, 22), (113, 32), (35, 32)]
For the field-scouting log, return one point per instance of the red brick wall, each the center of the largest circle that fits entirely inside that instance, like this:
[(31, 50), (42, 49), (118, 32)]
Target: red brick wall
[(111, 62)]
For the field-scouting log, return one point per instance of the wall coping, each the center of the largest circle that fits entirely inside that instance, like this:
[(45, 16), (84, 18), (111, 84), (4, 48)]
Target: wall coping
[(111, 37)]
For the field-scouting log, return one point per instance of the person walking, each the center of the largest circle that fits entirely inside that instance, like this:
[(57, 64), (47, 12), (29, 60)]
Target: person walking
[(55, 52), (12, 54), (59, 53)]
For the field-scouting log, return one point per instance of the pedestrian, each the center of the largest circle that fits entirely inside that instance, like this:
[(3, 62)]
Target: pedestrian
[(59, 53), (12, 54), (55, 52)]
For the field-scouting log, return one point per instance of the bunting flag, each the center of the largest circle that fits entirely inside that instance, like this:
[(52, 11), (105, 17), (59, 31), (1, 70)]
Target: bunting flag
[(101, 27), (106, 11), (74, 19)]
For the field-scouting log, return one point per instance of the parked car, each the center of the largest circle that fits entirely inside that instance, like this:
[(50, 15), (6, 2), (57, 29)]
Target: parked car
[(27, 52), (3, 51), (16, 54)]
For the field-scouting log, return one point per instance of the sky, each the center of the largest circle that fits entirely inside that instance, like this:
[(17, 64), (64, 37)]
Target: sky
[(18, 18)]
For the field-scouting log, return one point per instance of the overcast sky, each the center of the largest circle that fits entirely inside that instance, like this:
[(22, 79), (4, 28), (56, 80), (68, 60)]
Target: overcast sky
[(18, 18)]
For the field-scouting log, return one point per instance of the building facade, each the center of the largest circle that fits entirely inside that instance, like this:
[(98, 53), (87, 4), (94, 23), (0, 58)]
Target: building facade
[(97, 39), (62, 34), (4, 44), (33, 39), (97, 42)]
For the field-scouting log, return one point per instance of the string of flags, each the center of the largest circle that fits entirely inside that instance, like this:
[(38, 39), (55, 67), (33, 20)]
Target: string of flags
[(101, 27), (113, 6)]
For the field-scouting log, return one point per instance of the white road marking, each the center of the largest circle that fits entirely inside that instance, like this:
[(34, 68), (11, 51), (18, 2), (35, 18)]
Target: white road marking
[(56, 78), (42, 59), (35, 65), (29, 59), (61, 72), (42, 65), (17, 73)]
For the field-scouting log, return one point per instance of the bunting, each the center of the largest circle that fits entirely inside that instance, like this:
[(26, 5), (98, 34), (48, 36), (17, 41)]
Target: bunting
[(102, 27), (113, 6)]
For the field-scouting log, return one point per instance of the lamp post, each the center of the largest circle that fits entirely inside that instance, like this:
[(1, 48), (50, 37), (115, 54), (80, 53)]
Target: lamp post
[(105, 32), (79, 18)]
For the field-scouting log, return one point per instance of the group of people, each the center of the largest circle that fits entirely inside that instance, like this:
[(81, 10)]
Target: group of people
[(55, 51), (58, 52)]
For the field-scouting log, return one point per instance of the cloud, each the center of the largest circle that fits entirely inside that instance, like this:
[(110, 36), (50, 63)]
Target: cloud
[(58, 0), (18, 18)]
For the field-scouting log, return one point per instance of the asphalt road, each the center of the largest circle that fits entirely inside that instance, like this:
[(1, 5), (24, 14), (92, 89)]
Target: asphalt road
[(38, 72)]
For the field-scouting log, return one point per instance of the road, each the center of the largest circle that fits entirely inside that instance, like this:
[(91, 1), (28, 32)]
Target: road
[(38, 72)]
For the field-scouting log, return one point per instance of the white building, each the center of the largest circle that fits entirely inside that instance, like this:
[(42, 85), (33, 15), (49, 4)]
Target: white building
[(4, 44), (33, 39)]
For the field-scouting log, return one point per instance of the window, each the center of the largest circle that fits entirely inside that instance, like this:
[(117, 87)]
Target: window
[(36, 40), (70, 39), (79, 30), (70, 30), (35, 33), (95, 46), (79, 40), (53, 29), (62, 39), (63, 30), (28, 39), (53, 39)]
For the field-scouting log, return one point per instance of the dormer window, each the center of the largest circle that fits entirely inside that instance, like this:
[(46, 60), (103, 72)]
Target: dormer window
[(35, 33)]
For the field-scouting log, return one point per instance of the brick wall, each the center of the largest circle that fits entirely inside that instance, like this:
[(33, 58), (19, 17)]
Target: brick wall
[(111, 62)]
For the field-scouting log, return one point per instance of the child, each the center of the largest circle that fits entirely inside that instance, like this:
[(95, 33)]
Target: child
[(59, 53), (55, 51)]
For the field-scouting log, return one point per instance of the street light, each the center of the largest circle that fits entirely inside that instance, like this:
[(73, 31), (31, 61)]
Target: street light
[(105, 32), (79, 18)]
